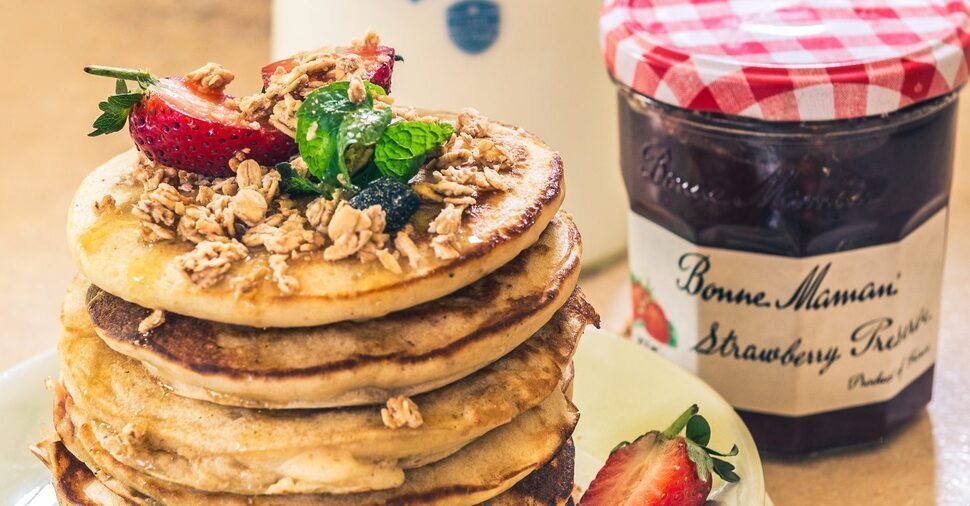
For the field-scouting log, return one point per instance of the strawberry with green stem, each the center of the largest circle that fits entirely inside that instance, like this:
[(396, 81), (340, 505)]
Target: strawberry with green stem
[(178, 124), (662, 468)]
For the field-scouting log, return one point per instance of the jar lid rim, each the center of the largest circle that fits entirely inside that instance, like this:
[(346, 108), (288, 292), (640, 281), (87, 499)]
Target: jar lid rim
[(811, 60)]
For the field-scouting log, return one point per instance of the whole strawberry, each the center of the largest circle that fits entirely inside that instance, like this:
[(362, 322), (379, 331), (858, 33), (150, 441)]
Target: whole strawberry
[(662, 468), (184, 126)]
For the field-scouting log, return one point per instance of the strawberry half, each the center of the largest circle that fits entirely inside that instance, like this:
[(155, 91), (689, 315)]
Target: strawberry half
[(662, 468), (378, 65), (179, 125)]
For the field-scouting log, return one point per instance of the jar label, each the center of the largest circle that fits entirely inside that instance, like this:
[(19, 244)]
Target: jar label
[(791, 336)]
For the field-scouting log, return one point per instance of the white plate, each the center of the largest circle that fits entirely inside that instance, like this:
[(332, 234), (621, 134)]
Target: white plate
[(622, 390)]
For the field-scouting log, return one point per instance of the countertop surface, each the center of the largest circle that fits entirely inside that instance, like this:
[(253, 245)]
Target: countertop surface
[(50, 104)]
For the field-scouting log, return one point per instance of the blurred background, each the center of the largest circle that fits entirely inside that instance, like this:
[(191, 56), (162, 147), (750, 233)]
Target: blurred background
[(566, 97), (50, 104)]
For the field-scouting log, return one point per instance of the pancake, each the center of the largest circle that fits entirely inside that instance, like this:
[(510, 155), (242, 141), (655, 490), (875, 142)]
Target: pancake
[(552, 484), (76, 485), (213, 447), (498, 227), (479, 472), (349, 363)]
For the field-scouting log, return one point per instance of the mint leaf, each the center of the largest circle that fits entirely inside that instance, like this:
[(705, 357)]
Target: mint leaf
[(298, 185), (404, 147), (368, 174), (373, 89), (356, 137), (115, 111), (295, 184), (324, 110), (698, 430), (327, 107)]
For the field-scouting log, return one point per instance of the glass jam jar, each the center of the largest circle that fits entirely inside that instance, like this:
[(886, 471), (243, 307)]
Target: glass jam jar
[(788, 188)]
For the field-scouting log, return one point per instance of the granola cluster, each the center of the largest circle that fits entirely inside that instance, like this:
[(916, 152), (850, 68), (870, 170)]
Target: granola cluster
[(152, 321), (226, 219), (401, 412), (211, 77), (469, 165), (290, 83)]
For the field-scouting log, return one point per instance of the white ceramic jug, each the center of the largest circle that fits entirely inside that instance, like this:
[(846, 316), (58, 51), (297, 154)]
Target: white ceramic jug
[(534, 63)]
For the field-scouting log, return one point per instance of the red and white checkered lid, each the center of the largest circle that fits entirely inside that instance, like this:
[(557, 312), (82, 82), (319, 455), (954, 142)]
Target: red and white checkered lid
[(790, 60)]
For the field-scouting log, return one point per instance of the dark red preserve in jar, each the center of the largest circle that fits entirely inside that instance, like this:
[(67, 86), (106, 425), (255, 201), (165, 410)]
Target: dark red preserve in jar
[(788, 167)]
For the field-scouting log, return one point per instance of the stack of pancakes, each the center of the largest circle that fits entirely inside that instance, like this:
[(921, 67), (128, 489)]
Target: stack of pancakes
[(277, 399)]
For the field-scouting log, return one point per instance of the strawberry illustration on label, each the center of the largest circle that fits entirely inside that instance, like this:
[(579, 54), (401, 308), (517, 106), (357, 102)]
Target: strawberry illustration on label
[(648, 314)]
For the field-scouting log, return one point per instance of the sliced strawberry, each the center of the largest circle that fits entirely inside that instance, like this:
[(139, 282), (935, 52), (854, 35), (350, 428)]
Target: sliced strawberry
[(651, 472), (661, 468), (178, 124), (194, 131), (270, 68), (378, 65)]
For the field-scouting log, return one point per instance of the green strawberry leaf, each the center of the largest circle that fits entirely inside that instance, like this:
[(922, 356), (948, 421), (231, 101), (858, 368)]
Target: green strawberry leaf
[(698, 430), (680, 422), (356, 137), (114, 112), (404, 147), (732, 453), (702, 461), (725, 470)]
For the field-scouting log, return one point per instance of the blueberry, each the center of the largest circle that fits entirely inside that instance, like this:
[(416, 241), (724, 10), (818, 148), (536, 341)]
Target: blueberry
[(396, 198)]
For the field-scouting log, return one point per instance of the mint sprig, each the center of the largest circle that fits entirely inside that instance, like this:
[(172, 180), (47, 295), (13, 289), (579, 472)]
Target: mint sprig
[(357, 135), (356, 143), (116, 108), (340, 126), (405, 146)]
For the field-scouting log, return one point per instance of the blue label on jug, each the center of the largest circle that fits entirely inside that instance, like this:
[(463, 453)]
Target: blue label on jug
[(473, 25)]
